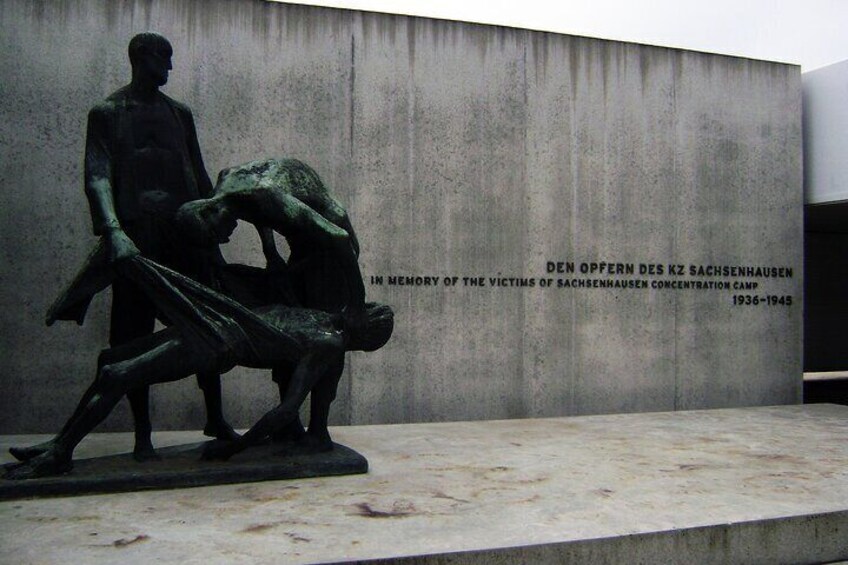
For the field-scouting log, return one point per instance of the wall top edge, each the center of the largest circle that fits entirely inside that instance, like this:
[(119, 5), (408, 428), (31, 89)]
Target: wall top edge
[(504, 27)]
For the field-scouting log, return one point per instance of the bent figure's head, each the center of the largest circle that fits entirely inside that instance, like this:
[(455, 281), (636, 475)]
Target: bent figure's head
[(150, 57), (378, 328), (206, 221)]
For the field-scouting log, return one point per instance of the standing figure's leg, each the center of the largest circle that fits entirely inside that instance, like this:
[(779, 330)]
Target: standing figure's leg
[(134, 316), (198, 266), (216, 426), (140, 405)]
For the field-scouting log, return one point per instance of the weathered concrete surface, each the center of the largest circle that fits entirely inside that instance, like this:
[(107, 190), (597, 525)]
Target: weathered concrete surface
[(461, 151), (754, 485)]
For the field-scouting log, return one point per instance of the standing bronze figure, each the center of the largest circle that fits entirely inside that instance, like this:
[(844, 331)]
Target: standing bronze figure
[(142, 162)]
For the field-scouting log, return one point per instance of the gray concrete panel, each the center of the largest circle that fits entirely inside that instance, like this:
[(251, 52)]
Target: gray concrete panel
[(470, 153), (453, 135)]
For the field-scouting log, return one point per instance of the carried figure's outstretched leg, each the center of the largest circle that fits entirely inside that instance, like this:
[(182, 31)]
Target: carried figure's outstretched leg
[(107, 356), (169, 360), (29, 452)]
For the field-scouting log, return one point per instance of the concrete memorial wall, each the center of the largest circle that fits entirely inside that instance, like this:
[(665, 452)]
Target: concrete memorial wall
[(563, 225)]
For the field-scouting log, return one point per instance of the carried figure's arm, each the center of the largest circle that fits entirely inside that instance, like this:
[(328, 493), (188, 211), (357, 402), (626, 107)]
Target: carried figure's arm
[(336, 213), (277, 266), (99, 190), (273, 258), (287, 215)]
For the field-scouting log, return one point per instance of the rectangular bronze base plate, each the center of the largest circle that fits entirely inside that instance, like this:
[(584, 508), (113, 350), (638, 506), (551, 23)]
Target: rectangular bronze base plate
[(180, 466)]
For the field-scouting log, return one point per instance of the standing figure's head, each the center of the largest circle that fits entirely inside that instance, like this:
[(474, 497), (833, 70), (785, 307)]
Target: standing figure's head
[(150, 57), (206, 222)]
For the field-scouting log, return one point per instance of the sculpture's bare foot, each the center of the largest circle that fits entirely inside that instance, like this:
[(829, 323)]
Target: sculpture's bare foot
[(27, 453), (144, 451), (314, 443), (220, 450), (48, 464), (291, 432), (220, 430)]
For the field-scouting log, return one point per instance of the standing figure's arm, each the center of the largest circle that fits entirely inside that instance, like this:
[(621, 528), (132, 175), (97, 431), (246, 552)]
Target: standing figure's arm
[(99, 190)]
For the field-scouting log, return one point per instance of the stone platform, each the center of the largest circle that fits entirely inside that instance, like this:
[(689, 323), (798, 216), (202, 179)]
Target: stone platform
[(749, 485)]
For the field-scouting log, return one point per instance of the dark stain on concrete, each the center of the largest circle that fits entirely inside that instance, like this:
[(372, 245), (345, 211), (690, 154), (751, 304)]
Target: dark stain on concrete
[(298, 538), (440, 494), (364, 509), (123, 542), (692, 466), (258, 528), (778, 457)]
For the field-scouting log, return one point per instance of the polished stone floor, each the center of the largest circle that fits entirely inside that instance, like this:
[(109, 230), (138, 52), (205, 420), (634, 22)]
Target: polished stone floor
[(753, 484)]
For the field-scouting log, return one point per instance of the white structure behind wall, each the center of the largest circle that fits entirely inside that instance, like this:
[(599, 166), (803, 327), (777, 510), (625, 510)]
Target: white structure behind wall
[(825, 103)]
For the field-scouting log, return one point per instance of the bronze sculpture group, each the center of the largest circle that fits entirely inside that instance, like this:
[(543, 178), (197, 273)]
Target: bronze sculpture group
[(160, 223)]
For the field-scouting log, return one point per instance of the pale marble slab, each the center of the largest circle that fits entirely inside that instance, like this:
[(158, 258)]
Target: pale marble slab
[(453, 487)]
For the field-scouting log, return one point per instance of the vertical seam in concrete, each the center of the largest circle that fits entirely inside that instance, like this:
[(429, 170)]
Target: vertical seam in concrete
[(574, 69), (526, 40), (574, 166), (676, 234), (524, 361), (413, 409), (351, 117), (352, 83), (799, 286), (676, 360)]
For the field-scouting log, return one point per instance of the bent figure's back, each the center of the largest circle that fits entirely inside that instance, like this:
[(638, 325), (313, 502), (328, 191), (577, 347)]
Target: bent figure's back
[(288, 176), (316, 277)]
